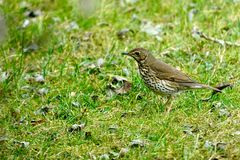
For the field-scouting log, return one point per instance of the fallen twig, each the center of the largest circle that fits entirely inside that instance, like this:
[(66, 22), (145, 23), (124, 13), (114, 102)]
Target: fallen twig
[(219, 41)]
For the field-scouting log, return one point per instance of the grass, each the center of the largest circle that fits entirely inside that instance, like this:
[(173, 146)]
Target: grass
[(63, 56)]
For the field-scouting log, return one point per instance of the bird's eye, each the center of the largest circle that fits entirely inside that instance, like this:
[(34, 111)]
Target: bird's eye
[(137, 53)]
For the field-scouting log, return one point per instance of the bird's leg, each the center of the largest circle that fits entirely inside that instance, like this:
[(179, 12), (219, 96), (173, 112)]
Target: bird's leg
[(168, 104)]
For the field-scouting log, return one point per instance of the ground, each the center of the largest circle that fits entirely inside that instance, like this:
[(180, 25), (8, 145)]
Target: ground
[(57, 98)]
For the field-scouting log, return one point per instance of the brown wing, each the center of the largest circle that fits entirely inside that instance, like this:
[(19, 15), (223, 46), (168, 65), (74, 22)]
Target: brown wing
[(167, 72)]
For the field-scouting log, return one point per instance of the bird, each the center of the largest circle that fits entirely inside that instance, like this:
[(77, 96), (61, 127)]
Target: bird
[(161, 77)]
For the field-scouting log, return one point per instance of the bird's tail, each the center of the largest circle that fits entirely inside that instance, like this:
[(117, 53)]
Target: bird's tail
[(196, 85), (209, 87)]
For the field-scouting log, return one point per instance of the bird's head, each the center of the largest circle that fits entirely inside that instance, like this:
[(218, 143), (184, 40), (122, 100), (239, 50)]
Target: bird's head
[(139, 54)]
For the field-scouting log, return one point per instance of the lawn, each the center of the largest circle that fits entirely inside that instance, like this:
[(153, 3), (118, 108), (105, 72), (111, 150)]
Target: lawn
[(62, 79)]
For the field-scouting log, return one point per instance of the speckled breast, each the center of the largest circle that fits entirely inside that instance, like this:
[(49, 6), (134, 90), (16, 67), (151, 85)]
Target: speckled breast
[(157, 85)]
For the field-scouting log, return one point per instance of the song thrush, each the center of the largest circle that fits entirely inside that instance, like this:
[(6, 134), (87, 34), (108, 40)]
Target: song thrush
[(161, 77)]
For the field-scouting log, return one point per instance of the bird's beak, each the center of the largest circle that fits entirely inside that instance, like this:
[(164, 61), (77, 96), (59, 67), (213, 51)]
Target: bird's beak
[(124, 53)]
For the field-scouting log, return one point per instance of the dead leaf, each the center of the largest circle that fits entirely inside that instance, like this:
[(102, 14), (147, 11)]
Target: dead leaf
[(104, 156), (131, 1), (76, 127), (123, 33), (237, 133), (3, 139), (129, 113), (39, 78), (72, 26), (221, 146), (75, 104), (22, 144), (26, 23), (3, 29), (113, 155), (92, 156), (189, 129), (94, 97), (196, 33), (208, 144), (4, 76), (217, 145), (152, 29), (88, 135), (87, 36), (100, 62), (124, 89), (33, 14), (191, 14), (138, 143), (93, 67), (43, 110), (119, 85), (223, 112), (42, 91), (31, 48), (37, 122), (113, 128), (125, 71), (72, 94), (123, 152), (23, 120)]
